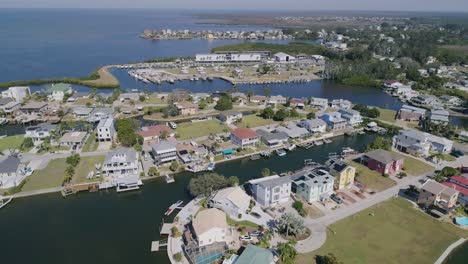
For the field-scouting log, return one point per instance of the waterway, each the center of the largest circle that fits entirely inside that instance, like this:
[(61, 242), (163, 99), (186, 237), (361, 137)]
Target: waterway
[(459, 255), (106, 227)]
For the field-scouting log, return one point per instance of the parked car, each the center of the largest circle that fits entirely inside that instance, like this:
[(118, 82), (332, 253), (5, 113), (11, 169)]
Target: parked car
[(173, 125), (256, 215), (457, 153), (246, 238), (255, 233), (337, 199)]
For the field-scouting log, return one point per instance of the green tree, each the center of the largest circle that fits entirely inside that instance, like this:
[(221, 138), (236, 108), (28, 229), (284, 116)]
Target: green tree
[(178, 257), (311, 115), (266, 172), (224, 103), (287, 252), (202, 104), (153, 171), (73, 160), (327, 259), (233, 181), (380, 143), (174, 166), (206, 184), (126, 132), (142, 98), (27, 143), (268, 113), (280, 115)]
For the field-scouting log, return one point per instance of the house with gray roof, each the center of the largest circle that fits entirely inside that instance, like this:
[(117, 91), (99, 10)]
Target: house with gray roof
[(411, 113), (272, 190), (121, 163), (230, 116), (273, 139), (293, 130), (164, 151), (421, 143), (382, 161), (436, 194), (313, 184), (12, 172), (439, 116), (314, 125), (40, 132), (82, 112)]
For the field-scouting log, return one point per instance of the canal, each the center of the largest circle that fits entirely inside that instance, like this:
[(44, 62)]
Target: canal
[(458, 256), (106, 227)]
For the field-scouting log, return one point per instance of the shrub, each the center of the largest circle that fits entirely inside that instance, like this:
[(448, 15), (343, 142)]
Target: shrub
[(178, 257)]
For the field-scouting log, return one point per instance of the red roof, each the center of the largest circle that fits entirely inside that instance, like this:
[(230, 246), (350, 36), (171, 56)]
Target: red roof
[(152, 131), (244, 133), (297, 101), (459, 179), (458, 188)]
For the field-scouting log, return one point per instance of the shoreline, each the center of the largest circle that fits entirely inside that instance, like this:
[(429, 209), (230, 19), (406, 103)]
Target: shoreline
[(449, 250)]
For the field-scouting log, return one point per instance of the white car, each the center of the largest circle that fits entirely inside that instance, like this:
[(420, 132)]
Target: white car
[(173, 125), (246, 238)]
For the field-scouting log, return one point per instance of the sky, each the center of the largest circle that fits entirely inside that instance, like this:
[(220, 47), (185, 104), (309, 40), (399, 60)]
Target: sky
[(384, 5)]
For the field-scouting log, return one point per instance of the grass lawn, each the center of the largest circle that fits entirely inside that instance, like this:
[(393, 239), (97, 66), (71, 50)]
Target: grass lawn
[(387, 115), (396, 233), (91, 143), (413, 166), (246, 223), (372, 179), (13, 142), (254, 121), (51, 176), (199, 129), (86, 165), (448, 157)]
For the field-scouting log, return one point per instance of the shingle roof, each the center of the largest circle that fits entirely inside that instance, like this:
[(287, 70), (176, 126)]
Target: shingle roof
[(255, 255), (382, 156), (163, 146), (129, 155), (9, 164), (244, 133)]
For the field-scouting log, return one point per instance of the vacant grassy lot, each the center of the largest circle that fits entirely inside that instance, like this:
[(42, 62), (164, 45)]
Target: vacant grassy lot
[(372, 179), (254, 121), (199, 129), (395, 233), (91, 144), (86, 165), (413, 166), (50, 177), (13, 142), (387, 115)]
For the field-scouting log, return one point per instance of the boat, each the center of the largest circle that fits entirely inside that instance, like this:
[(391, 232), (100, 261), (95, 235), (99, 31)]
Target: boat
[(290, 147), (318, 142), (345, 152), (280, 152), (3, 121), (309, 145), (255, 157), (265, 153), (327, 141), (135, 90), (4, 201), (173, 207)]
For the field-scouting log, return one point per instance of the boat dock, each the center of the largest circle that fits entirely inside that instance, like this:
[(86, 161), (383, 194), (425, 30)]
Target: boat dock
[(169, 178), (173, 207), (4, 201)]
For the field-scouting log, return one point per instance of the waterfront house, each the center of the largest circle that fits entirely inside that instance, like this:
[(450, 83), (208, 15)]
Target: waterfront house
[(423, 100), (106, 130), (343, 172), (186, 108), (272, 190), (17, 93), (451, 101), (258, 99), (230, 116), (297, 103), (392, 84), (220, 148), (82, 112), (73, 139), (254, 255), (77, 95), (129, 97), (99, 113), (191, 152), (353, 117), (439, 116), (57, 91), (283, 57), (39, 132), (460, 184), (121, 163), (5, 100), (164, 151), (314, 125), (232, 200), (334, 120), (210, 226), (155, 132), (341, 103), (421, 143), (277, 99), (293, 130), (313, 184), (382, 161), (436, 194), (244, 137), (33, 107), (12, 172), (273, 139), (8, 105), (320, 103), (411, 113)]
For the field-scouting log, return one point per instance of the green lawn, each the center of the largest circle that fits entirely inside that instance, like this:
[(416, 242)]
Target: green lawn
[(86, 165), (91, 143), (387, 115), (254, 121), (199, 129), (390, 232), (13, 142), (413, 166), (51, 176), (372, 179), (246, 223)]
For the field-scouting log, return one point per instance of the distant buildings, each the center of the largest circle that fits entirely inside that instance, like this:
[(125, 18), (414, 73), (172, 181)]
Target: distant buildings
[(244, 137), (277, 99), (320, 103), (228, 57), (106, 130), (164, 152), (272, 190), (121, 163), (283, 57), (425, 101), (341, 103), (233, 201), (210, 226), (17, 93), (383, 161), (313, 184), (421, 143)]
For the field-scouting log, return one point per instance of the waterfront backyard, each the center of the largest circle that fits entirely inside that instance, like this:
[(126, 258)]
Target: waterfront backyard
[(199, 129), (390, 232)]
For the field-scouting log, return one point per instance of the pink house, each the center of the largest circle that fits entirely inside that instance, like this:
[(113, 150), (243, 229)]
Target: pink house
[(383, 161)]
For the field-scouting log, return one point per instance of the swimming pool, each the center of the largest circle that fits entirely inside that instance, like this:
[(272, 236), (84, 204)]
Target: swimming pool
[(462, 221)]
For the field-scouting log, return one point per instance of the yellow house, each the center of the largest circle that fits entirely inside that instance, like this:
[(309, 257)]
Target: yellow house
[(343, 173)]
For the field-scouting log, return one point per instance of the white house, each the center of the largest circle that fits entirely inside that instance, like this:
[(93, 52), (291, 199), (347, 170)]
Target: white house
[(439, 116), (233, 201), (56, 92), (17, 93), (313, 185), (244, 137), (273, 139), (230, 116), (272, 190), (353, 117), (283, 57), (422, 100), (340, 103), (12, 172), (106, 130), (164, 151), (334, 120), (39, 132), (277, 99), (421, 143), (121, 162), (321, 103), (210, 226), (314, 125)]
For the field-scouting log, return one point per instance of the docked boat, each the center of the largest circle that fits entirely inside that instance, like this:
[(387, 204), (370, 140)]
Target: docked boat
[(290, 147), (318, 142), (173, 207), (281, 152), (309, 145), (266, 153), (346, 152), (255, 157), (129, 183), (327, 141)]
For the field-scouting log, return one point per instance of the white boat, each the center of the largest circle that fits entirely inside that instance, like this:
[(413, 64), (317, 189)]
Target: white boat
[(3, 121), (327, 141), (345, 152), (129, 183), (280, 152), (318, 142), (290, 147)]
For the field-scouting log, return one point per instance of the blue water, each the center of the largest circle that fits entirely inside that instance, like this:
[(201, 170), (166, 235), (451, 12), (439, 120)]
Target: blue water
[(45, 43)]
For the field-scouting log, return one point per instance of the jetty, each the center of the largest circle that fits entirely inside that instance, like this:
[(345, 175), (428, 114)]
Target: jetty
[(4, 201)]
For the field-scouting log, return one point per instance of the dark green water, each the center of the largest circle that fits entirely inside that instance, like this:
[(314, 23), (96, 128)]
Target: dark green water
[(459, 255), (107, 227)]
